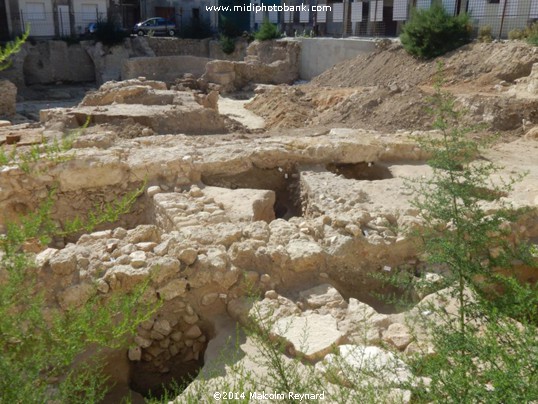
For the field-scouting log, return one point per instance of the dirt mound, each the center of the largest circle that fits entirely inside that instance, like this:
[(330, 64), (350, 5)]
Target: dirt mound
[(385, 67), (389, 90), (485, 63), (369, 108)]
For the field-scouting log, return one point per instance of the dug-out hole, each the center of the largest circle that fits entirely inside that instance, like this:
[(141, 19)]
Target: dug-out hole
[(361, 171), (283, 181), (150, 382), (170, 364)]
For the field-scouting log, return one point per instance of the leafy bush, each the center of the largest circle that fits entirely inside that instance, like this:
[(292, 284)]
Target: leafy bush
[(41, 346), (109, 33), (531, 33), (11, 48), (516, 34), (484, 34), (227, 44), (267, 31), (486, 349), (433, 32), (39, 343)]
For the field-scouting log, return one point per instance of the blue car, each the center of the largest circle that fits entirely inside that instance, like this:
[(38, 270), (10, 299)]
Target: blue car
[(157, 25), (90, 29)]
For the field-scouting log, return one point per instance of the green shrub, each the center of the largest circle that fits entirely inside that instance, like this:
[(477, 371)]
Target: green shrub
[(531, 33), (433, 32), (11, 48), (516, 34), (39, 345), (484, 34), (227, 44), (267, 31), (482, 354), (109, 33)]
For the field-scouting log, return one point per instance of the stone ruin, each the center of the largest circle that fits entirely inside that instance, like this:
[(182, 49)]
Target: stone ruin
[(147, 103), (302, 219)]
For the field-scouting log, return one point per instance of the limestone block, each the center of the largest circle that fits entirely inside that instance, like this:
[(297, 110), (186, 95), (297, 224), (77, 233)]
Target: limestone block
[(162, 326), (125, 276), (193, 332), (188, 256), (363, 361), (135, 354), (76, 296), (362, 324), (398, 335), (163, 268), (8, 99), (64, 262), (305, 256), (244, 204), (322, 296), (173, 289), (144, 232), (312, 336)]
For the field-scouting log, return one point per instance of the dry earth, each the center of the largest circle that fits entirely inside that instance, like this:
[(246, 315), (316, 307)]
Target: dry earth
[(388, 90)]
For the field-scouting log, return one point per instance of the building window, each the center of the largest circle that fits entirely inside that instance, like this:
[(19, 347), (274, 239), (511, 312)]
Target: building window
[(89, 12), (35, 12), (196, 14)]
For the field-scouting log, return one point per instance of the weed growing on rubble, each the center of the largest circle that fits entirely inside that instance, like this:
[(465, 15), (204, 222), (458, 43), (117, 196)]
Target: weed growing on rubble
[(486, 347), (11, 48), (271, 373), (44, 350), (39, 347), (55, 151)]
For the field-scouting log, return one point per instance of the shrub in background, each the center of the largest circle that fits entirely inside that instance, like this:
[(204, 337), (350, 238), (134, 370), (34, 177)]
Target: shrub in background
[(531, 33), (434, 32), (267, 32), (109, 33), (484, 34), (227, 44), (516, 34), (11, 48)]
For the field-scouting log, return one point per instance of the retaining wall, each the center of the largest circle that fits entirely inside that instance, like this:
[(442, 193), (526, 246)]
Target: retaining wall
[(320, 54)]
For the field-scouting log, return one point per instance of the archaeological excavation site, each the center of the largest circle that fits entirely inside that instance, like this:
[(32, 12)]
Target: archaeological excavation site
[(266, 212)]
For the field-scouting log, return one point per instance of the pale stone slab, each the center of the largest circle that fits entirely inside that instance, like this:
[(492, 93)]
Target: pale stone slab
[(312, 336)]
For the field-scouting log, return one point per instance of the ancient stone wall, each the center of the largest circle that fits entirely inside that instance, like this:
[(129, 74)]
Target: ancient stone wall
[(204, 48), (178, 46), (8, 98), (53, 61), (163, 68), (268, 62)]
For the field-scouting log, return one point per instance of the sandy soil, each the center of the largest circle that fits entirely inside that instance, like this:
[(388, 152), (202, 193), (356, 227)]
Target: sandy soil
[(388, 90)]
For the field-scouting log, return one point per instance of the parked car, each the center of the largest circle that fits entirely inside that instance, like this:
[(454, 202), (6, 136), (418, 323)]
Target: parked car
[(90, 29), (157, 25)]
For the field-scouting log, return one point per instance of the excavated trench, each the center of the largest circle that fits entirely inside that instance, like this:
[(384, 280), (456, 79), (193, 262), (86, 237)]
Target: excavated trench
[(283, 181), (361, 171), (153, 379), (152, 376)]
